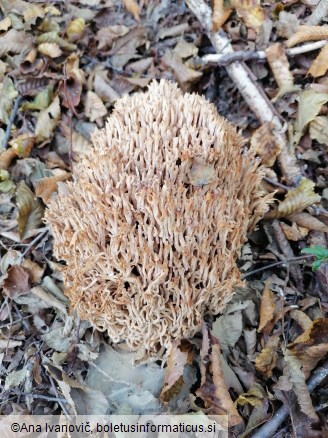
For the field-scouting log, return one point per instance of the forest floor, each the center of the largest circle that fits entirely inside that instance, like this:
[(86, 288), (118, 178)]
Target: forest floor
[(263, 64)]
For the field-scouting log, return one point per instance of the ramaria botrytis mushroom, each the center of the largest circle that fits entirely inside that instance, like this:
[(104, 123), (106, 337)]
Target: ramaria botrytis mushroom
[(155, 218)]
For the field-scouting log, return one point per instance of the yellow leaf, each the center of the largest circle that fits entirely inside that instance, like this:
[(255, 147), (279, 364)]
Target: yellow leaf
[(220, 14), (298, 199), (266, 361), (47, 120), (267, 306), (30, 211), (320, 64), (307, 33), (94, 108), (132, 7), (50, 49), (319, 129), (254, 396), (250, 12), (75, 29)]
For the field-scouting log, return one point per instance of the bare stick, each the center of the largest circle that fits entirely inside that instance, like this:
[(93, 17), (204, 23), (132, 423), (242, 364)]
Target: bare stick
[(221, 59), (282, 413), (11, 120), (318, 14), (257, 101)]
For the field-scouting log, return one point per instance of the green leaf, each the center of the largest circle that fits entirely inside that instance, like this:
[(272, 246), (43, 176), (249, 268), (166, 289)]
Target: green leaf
[(42, 100), (318, 251), (316, 265)]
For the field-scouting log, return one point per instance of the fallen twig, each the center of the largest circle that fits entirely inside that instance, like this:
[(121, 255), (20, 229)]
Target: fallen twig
[(318, 14), (11, 120), (228, 58), (257, 100), (282, 413)]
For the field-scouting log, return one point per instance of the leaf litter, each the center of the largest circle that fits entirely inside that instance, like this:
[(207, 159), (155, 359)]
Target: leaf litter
[(68, 64)]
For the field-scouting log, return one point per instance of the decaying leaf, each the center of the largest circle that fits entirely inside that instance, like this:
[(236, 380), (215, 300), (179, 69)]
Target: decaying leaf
[(30, 211), (307, 33), (301, 318), (23, 144), (298, 199), (47, 120), (306, 220), (180, 355), (75, 29), (312, 345), (15, 378), (266, 361), (41, 101), (287, 24), (14, 41), (297, 378), (228, 329), (254, 396), (6, 157), (265, 144), (8, 94), (133, 7), (279, 64), (17, 281), (251, 12), (268, 306), (94, 108), (53, 38), (291, 232), (46, 186), (220, 14), (320, 64), (107, 35), (310, 103), (213, 389), (183, 74), (319, 129)]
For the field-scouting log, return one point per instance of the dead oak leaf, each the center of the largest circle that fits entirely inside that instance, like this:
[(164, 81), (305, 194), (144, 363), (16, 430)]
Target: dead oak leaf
[(17, 281)]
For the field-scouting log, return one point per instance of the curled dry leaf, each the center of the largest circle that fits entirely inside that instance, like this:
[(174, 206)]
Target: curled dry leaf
[(319, 129), (306, 220), (50, 49), (220, 14), (47, 120), (279, 64), (75, 29), (312, 345), (320, 64), (41, 101), (291, 232), (133, 7), (54, 38), (45, 187), (267, 309), (30, 211), (213, 389), (6, 157), (94, 108), (307, 33), (17, 282), (70, 91), (179, 356), (298, 199), (14, 42), (266, 361), (254, 396), (296, 376), (301, 318), (265, 144), (183, 74), (23, 144)]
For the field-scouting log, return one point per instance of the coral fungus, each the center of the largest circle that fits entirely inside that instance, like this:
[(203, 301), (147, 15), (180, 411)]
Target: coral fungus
[(155, 218)]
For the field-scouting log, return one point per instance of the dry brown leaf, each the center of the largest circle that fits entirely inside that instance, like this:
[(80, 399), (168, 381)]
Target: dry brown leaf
[(320, 64), (36, 271), (17, 282), (291, 232), (50, 49), (220, 14), (268, 306), (183, 50), (213, 389), (307, 33), (94, 108), (179, 356), (302, 319), (279, 64), (30, 211), (6, 157), (183, 74), (45, 187), (297, 378), (133, 7), (23, 144), (250, 12), (266, 361), (254, 396), (32, 12), (107, 35), (47, 120), (265, 144), (104, 90), (319, 129), (296, 200), (49, 298), (287, 24), (312, 345), (306, 220), (14, 41)]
